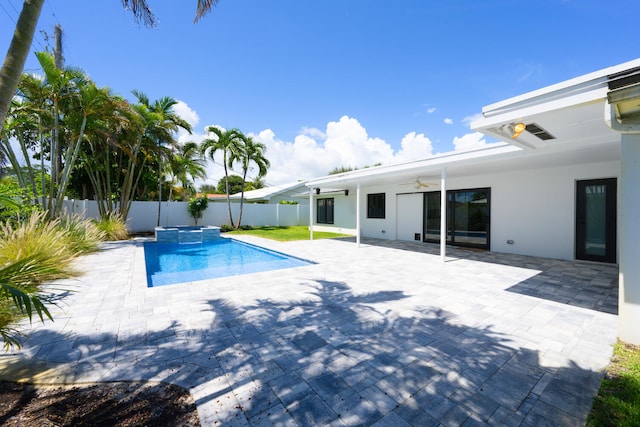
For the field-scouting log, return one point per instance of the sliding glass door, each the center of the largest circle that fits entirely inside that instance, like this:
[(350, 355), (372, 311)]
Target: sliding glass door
[(468, 217)]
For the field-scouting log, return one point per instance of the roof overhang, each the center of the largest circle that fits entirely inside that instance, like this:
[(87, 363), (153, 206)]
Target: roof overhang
[(590, 109)]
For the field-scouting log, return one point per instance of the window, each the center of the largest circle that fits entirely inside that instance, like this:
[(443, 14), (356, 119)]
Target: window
[(324, 212), (375, 205)]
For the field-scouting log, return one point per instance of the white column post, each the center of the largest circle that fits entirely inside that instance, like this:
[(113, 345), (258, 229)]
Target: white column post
[(358, 214), (310, 213), (443, 214), (629, 246)]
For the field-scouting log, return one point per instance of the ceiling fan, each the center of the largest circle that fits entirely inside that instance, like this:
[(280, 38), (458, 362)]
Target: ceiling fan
[(418, 184)]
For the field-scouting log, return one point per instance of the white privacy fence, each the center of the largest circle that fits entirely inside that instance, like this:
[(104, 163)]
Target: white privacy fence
[(143, 216)]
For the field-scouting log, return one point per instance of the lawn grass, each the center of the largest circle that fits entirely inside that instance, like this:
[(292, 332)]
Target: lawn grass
[(287, 234), (618, 401)]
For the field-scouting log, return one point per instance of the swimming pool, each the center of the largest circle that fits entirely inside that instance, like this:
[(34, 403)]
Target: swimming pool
[(171, 263)]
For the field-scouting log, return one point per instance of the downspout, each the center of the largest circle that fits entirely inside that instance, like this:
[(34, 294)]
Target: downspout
[(443, 215), (358, 214)]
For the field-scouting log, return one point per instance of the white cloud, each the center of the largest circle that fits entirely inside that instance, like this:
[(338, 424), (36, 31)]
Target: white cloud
[(470, 141), (190, 116), (431, 110), (186, 113), (414, 146), (344, 142), (448, 121), (314, 153), (313, 133), (468, 119)]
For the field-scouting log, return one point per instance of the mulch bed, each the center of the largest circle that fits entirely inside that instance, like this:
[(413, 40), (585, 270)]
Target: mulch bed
[(106, 404)]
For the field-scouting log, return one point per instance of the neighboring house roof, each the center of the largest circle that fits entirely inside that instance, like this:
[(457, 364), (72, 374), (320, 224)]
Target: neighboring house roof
[(266, 194)]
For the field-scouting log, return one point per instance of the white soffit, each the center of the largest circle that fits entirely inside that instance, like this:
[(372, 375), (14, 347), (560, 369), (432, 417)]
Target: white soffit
[(571, 112)]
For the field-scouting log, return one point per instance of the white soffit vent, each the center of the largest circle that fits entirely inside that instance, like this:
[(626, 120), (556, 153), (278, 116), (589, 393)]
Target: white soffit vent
[(536, 130)]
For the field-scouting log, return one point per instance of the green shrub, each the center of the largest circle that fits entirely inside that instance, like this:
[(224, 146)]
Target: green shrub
[(41, 238), (83, 235), (113, 227), (196, 207), (32, 253)]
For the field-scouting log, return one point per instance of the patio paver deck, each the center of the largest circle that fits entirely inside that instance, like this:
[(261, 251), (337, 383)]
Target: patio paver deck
[(385, 334)]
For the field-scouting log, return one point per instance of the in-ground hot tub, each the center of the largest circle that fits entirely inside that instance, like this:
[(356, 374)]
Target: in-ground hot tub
[(187, 234)]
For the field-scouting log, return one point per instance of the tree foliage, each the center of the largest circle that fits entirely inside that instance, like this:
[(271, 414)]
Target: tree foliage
[(196, 208)]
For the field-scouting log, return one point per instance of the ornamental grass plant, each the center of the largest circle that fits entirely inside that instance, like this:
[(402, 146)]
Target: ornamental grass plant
[(34, 253), (112, 227), (84, 235), (39, 237)]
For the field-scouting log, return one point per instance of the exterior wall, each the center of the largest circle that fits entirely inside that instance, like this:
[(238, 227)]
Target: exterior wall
[(344, 213), (533, 208), (536, 209), (382, 228)]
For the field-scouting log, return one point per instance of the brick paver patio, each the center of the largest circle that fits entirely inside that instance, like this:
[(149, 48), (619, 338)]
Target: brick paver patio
[(385, 334)]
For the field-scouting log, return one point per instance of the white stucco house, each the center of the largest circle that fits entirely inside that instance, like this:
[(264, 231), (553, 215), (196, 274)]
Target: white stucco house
[(562, 181)]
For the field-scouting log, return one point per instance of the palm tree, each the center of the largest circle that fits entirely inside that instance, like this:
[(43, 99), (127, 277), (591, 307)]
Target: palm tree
[(23, 36), (186, 166), (105, 155), (230, 142), (162, 123), (65, 92), (142, 11), (253, 152), (17, 54)]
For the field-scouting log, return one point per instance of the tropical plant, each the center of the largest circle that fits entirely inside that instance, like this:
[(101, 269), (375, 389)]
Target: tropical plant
[(161, 123), (230, 143), (196, 208), (33, 253), (252, 153), (83, 235), (23, 36), (113, 227), (187, 165), (17, 54), (34, 236), (19, 296), (234, 182), (208, 189)]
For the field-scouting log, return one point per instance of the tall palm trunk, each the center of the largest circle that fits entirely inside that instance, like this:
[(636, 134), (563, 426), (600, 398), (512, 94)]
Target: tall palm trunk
[(17, 54), (226, 177), (70, 160)]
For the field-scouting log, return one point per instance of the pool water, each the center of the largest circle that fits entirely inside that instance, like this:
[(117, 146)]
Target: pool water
[(171, 263)]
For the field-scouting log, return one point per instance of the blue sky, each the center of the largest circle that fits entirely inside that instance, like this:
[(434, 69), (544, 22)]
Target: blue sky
[(339, 82)]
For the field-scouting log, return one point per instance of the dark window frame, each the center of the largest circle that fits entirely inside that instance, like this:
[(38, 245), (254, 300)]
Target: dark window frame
[(325, 210), (451, 218), (376, 208)]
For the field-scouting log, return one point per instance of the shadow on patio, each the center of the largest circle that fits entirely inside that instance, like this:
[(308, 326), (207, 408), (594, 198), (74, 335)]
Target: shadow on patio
[(577, 283), (335, 357)]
